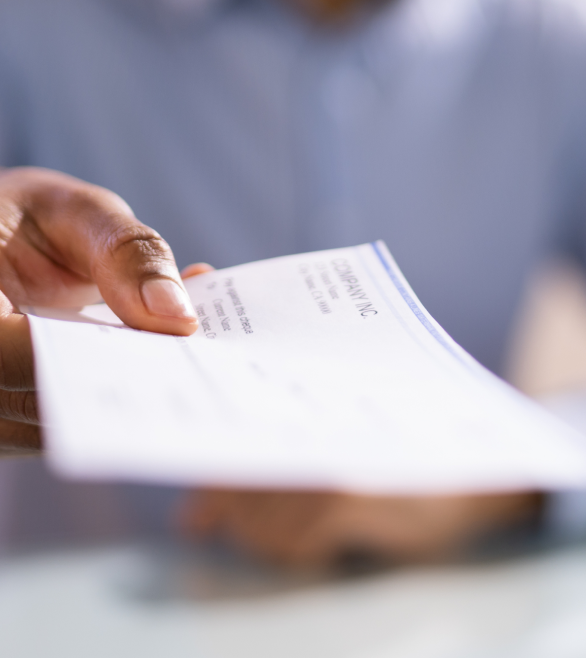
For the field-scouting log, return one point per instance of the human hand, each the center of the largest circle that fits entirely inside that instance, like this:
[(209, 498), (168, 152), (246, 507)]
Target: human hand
[(324, 529), (66, 243)]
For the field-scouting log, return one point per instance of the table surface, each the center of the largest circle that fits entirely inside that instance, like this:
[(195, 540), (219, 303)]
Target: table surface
[(148, 601)]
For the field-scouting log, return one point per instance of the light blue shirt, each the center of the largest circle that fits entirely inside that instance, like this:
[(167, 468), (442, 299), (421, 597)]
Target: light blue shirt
[(455, 130), (452, 129)]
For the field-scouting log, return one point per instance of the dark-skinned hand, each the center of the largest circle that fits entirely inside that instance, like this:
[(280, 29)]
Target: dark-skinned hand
[(66, 243), (315, 529)]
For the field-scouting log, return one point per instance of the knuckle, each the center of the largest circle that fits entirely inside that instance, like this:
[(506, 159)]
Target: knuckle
[(136, 241), (15, 367), (19, 438), (28, 406), (19, 406)]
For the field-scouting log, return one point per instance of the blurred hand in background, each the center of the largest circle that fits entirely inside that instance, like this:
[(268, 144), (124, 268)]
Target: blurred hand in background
[(328, 529)]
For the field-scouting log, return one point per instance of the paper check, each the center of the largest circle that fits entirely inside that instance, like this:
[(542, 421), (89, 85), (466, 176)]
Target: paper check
[(318, 370)]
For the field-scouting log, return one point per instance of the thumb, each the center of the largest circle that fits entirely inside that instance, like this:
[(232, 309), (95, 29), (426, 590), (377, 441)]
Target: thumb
[(93, 232), (137, 277)]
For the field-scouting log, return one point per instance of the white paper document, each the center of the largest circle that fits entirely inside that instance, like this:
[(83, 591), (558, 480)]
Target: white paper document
[(319, 370)]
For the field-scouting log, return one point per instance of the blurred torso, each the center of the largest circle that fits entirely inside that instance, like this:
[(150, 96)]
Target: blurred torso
[(240, 132)]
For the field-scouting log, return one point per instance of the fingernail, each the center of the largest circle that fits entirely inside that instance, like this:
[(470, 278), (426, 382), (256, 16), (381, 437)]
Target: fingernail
[(165, 297)]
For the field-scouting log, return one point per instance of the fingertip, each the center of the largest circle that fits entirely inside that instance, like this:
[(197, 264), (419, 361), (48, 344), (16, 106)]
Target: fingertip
[(148, 308), (176, 327), (195, 269), (166, 298), (167, 325)]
